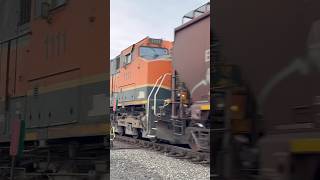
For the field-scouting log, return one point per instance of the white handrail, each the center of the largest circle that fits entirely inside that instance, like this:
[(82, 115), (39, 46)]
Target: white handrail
[(155, 95), (148, 103)]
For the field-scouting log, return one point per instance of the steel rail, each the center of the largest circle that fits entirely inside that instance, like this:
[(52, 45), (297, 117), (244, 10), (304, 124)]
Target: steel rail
[(169, 150)]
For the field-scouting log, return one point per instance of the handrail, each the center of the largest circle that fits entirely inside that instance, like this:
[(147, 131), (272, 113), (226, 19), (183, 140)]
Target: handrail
[(155, 95), (112, 134), (148, 104)]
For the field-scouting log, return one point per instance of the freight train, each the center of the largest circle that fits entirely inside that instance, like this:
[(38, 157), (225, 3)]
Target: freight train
[(160, 90), (54, 81), (266, 90)]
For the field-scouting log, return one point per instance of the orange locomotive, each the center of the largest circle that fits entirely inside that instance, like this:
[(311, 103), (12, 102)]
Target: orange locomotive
[(140, 76), (50, 76)]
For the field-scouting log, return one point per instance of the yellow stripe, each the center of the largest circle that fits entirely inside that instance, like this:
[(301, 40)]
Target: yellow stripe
[(307, 145), (31, 136), (72, 131), (72, 83), (205, 107), (132, 103)]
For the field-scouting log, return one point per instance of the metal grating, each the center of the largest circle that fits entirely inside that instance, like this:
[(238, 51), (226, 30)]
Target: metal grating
[(196, 13), (35, 91)]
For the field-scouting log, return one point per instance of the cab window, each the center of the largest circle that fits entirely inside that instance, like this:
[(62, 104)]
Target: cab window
[(152, 52)]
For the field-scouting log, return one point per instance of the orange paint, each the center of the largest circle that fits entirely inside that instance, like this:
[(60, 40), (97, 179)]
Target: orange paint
[(73, 45), (141, 72)]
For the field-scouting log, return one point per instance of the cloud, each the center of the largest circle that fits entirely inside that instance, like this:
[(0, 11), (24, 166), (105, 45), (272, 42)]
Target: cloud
[(131, 21)]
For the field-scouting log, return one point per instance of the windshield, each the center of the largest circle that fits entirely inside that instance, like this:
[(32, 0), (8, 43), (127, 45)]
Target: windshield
[(152, 52)]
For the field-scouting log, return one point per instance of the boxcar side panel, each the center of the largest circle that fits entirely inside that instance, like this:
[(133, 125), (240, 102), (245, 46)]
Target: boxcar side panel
[(191, 46)]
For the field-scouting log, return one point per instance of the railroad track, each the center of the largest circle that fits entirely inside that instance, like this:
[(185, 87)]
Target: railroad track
[(169, 150)]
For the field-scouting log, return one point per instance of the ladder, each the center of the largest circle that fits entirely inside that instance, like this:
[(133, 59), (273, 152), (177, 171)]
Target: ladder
[(151, 129)]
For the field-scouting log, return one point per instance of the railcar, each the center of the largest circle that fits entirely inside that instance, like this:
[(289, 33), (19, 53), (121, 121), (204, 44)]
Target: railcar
[(54, 72), (267, 90), (190, 100)]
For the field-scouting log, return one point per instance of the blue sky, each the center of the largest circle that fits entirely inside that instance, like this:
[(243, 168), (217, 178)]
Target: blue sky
[(132, 20)]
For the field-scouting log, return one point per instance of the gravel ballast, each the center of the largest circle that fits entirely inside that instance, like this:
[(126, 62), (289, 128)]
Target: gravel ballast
[(141, 164)]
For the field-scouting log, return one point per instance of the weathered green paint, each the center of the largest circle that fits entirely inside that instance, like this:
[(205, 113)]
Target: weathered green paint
[(133, 95), (61, 108)]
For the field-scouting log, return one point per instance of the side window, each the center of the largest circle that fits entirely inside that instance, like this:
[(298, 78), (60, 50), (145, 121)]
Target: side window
[(117, 63), (25, 11), (128, 58), (57, 3), (37, 8), (52, 5)]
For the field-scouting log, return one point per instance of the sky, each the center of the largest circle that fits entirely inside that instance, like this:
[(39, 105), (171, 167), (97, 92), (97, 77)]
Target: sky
[(133, 20)]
